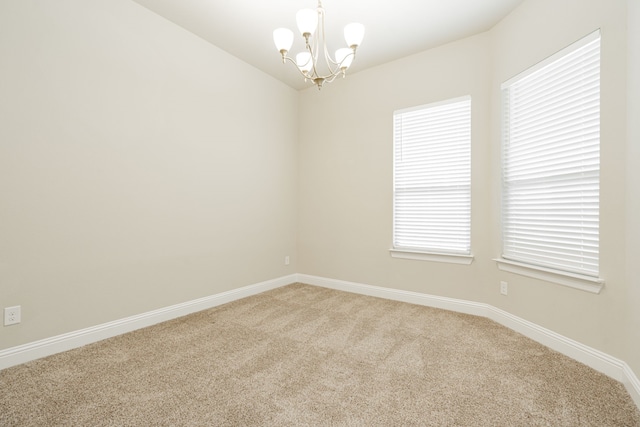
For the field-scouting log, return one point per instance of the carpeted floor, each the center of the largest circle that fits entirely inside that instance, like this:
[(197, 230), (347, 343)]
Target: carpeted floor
[(304, 355)]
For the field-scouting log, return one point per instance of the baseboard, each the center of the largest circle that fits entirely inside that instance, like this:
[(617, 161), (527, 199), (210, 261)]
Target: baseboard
[(632, 384), (596, 359), (602, 362), (49, 346), (460, 306)]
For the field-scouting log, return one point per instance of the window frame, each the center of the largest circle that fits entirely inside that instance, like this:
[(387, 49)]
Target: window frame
[(531, 267), (433, 253)]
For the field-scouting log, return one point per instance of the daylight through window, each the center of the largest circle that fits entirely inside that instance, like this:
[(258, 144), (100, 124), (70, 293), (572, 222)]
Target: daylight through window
[(432, 178), (551, 161)]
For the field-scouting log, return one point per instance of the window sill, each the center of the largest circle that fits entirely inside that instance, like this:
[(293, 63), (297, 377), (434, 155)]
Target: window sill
[(577, 281), (431, 256)]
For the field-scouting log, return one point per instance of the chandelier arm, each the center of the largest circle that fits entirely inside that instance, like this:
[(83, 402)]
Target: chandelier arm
[(334, 67), (314, 48), (330, 62), (350, 55), (333, 71), (322, 34), (331, 78), (314, 58), (328, 77), (306, 76), (313, 75), (339, 71)]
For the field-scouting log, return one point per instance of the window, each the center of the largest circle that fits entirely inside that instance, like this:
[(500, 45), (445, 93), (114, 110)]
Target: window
[(432, 180), (551, 163)]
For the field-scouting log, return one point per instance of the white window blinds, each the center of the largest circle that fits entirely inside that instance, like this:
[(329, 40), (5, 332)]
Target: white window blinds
[(432, 178), (551, 161)]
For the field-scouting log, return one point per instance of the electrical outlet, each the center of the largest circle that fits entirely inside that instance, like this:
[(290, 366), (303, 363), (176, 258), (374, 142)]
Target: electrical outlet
[(12, 315), (286, 260), (503, 288)]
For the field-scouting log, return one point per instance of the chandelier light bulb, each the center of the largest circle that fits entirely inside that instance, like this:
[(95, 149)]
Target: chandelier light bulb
[(283, 38), (307, 20), (353, 34)]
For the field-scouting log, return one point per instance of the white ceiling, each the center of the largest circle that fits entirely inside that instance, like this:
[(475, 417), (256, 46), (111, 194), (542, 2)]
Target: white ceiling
[(393, 29)]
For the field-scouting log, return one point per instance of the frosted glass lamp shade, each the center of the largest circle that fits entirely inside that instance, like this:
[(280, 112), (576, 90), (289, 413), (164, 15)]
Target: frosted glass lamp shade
[(344, 57), (283, 38), (304, 62), (353, 34), (307, 20)]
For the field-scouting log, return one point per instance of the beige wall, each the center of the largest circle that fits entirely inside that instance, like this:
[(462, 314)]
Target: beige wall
[(140, 166), (534, 31), (346, 170), (633, 185)]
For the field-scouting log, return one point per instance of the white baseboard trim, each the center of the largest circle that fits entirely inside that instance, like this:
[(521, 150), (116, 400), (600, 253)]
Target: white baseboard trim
[(615, 368), (602, 362), (460, 306), (57, 344), (632, 384)]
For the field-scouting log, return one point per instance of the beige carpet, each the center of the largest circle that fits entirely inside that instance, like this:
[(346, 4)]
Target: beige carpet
[(304, 355)]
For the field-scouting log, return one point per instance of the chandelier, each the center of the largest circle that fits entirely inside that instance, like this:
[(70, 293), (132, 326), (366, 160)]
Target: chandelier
[(309, 21)]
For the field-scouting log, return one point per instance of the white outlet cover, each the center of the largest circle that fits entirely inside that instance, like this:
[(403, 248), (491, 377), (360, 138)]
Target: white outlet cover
[(503, 288), (12, 315)]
